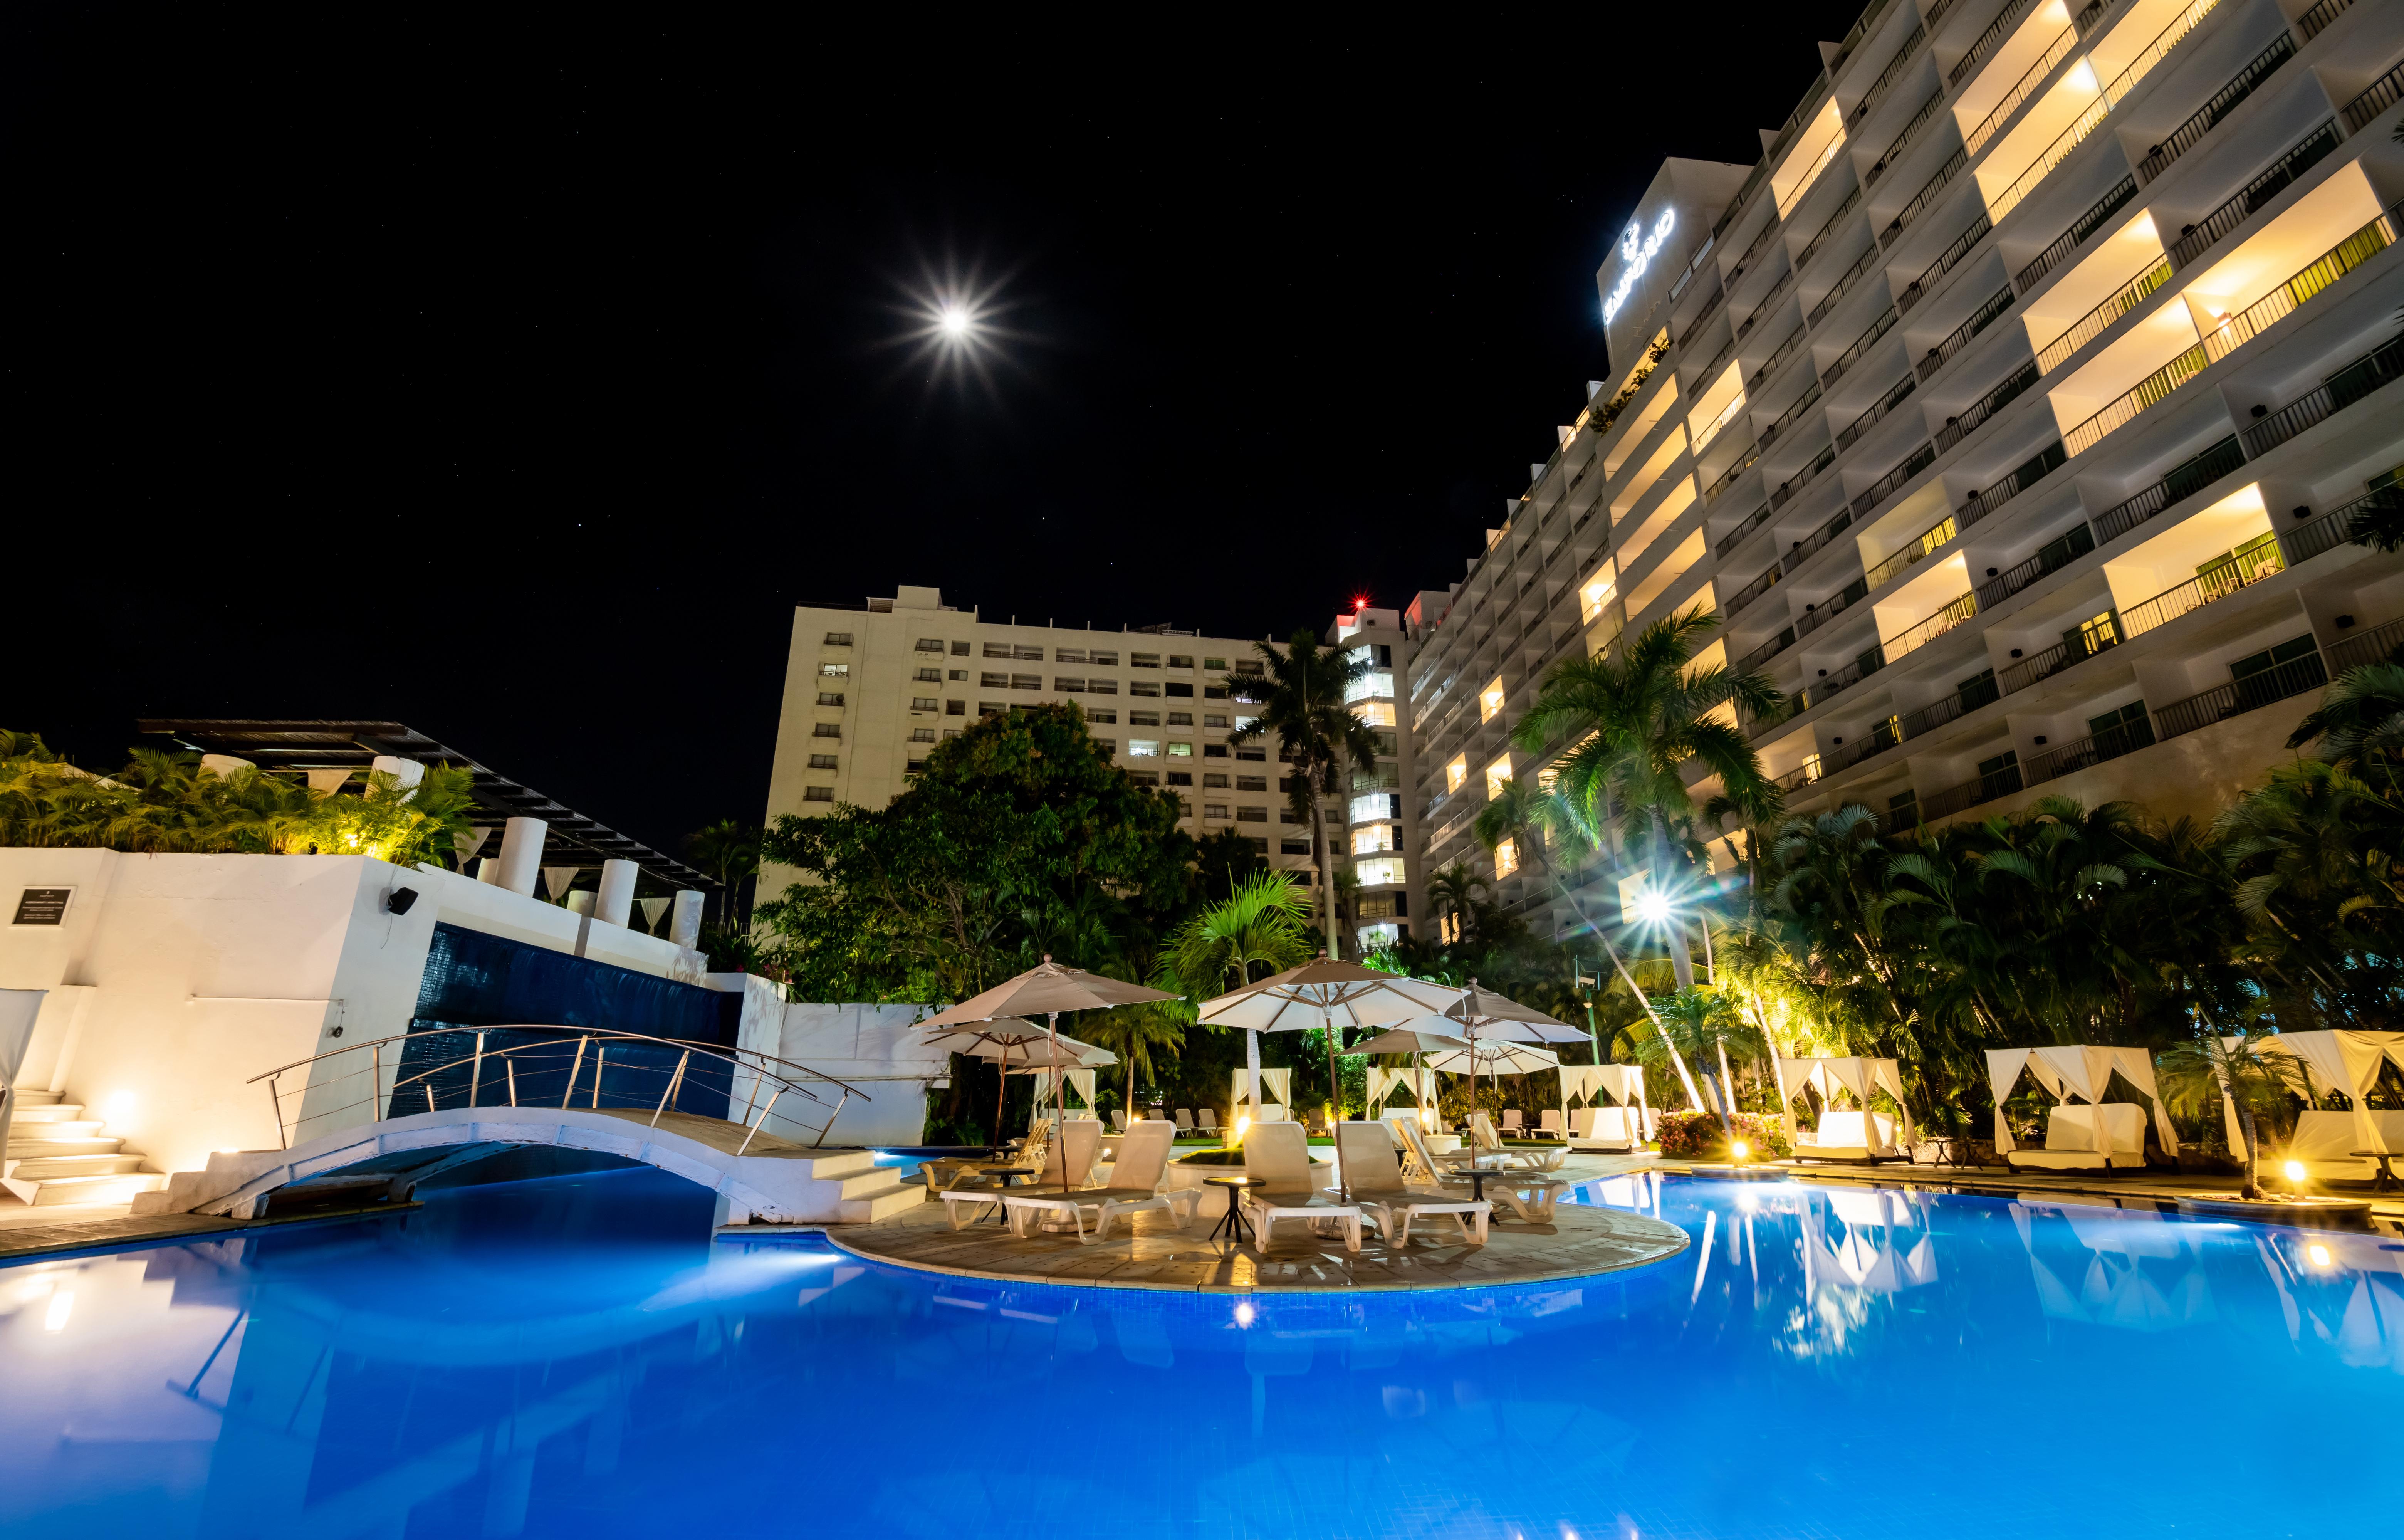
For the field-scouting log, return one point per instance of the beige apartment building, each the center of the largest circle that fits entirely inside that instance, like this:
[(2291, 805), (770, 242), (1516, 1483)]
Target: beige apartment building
[(2013, 413), (870, 691)]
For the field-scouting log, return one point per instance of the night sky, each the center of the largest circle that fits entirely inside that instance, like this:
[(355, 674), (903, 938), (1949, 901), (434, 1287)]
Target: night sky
[(512, 378)]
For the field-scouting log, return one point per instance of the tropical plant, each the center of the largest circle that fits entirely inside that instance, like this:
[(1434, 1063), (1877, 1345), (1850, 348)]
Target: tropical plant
[(1632, 722), (1301, 700), (2195, 1076), (1136, 1033), (728, 852), (1698, 1026), (2359, 724)]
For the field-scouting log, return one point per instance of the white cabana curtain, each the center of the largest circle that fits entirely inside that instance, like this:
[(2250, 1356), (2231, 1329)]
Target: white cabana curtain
[(1047, 1088), (1861, 1076), (2074, 1075), (2334, 1062), (1421, 1083), (1623, 1082), (1277, 1082)]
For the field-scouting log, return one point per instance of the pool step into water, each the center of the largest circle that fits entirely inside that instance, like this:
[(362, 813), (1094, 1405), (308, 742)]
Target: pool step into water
[(869, 1192), (57, 1156)]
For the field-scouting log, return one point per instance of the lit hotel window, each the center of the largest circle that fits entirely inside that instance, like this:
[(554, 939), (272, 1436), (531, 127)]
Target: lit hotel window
[(1506, 858), (1498, 776), (1456, 773), (1489, 702), (1143, 747), (1594, 596)]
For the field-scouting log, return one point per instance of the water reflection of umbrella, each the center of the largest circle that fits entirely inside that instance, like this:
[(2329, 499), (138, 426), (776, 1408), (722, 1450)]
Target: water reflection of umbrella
[(1048, 988), (1323, 994)]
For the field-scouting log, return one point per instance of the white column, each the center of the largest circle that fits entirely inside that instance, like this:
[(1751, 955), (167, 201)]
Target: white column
[(489, 870), (615, 905), (684, 926), (521, 853)]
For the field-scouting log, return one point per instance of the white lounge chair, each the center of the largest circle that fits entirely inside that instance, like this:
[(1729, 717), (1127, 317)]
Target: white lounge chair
[(1119, 1121), (1550, 1123), (1431, 1164), (1280, 1154), (1376, 1184), (1511, 1121), (1527, 1194), (1134, 1187), (1185, 1121), (1080, 1143), (2073, 1141), (1607, 1130), (1205, 1122), (1486, 1141), (968, 1187)]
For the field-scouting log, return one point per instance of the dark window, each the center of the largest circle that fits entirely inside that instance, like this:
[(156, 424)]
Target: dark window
[(996, 649), (1105, 746), (922, 734), (1021, 652), (822, 761), (838, 638), (1215, 750), (1143, 687), (1068, 655), (1180, 719), (1179, 660), (1143, 660), (1215, 782), (1026, 682), (959, 649), (1143, 719), (1144, 777), (1101, 687), (990, 708), (1293, 847), (956, 708), (818, 793), (929, 675), (958, 675), (1067, 686), (1105, 714), (1218, 666), (914, 767), (1259, 845), (1251, 753), (827, 730), (922, 703), (1251, 668), (1107, 660), (2126, 729), (1214, 692), (830, 697), (1999, 776), (1252, 783), (931, 644), (1177, 689), (1251, 815), (1979, 690), (1181, 778)]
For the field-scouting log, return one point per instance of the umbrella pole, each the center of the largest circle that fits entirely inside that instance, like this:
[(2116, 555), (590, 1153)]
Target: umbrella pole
[(1002, 1068), (1061, 1121)]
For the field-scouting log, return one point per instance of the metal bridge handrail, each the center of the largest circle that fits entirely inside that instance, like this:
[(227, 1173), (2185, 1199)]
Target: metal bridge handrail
[(610, 1032)]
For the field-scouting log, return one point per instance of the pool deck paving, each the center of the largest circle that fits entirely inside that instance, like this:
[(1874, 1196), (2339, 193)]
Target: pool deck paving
[(1155, 1253)]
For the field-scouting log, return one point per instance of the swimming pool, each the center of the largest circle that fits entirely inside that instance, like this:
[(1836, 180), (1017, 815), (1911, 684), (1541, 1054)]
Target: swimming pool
[(573, 1357)]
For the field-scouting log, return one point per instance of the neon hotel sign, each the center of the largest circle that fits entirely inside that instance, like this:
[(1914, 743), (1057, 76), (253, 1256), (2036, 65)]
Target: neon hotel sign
[(1638, 256)]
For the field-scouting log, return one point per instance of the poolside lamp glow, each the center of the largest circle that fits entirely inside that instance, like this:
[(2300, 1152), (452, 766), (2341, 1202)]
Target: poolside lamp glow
[(2296, 1173), (1740, 1150)]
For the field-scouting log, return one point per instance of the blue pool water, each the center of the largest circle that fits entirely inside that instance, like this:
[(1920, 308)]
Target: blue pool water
[(574, 1357)]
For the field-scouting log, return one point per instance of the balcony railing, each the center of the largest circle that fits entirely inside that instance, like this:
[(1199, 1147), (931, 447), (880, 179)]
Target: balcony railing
[(2245, 567), (1754, 250), (1817, 615), (2341, 390), (1767, 651), (1817, 540), (2372, 646), (2099, 320), (2053, 659), (1876, 410), (1777, 291), (2239, 697), (1786, 419), (2056, 556), (1931, 540), (1812, 247), (2384, 93), (1743, 463), (1965, 700), (2101, 108), (1957, 428), (1922, 200), (1959, 338), (2054, 54), (2202, 236), (2086, 752), (1886, 80), (1902, 140), (1876, 493), (1989, 40), (1752, 521), (1755, 589), (1918, 288), (1871, 660), (1710, 308), (2187, 135), (1801, 479), (1852, 356), (1952, 616), (2037, 468), (2075, 236), (1770, 365), (2234, 333), (2184, 480), (2303, 541), (2312, 22), (1954, 799), (1711, 430), (1843, 284)]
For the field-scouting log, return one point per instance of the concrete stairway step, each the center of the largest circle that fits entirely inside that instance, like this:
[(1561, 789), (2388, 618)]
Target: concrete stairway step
[(87, 1189), (884, 1205), (38, 1149), (870, 1182), (52, 1167), (36, 1098), (65, 1127), (843, 1163), (47, 1111)]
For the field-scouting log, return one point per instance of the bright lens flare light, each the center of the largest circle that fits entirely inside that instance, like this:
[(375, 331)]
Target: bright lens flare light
[(955, 321), (1740, 1150), (2319, 1253), (2295, 1170), (1653, 908)]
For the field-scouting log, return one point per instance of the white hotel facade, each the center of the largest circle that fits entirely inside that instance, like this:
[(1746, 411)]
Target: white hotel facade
[(2010, 413)]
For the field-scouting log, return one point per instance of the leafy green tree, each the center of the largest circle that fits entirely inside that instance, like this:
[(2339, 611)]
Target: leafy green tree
[(1698, 1025), (2195, 1075), (2359, 724), (1301, 701)]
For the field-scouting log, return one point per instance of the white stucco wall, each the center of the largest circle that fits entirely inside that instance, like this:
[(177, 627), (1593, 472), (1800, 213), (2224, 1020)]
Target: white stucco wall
[(873, 1047), (176, 978)]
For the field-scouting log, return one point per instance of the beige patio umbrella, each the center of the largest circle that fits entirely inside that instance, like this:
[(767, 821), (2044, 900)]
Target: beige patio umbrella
[(1017, 1045), (1046, 989), (1425, 1036), (1485, 1016), (1326, 994)]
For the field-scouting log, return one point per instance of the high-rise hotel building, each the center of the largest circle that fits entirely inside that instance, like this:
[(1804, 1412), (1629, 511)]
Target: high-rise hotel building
[(868, 691), (2012, 414)]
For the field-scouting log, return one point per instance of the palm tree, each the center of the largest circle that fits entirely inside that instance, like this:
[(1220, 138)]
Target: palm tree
[(728, 852), (1699, 1025), (2360, 722), (1136, 1033), (1453, 892), (1633, 723), (1261, 924), (1302, 701), (2196, 1075)]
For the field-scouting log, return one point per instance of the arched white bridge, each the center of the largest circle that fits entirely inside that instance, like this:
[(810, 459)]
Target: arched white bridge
[(520, 1086)]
